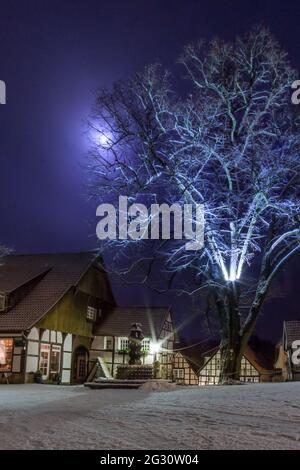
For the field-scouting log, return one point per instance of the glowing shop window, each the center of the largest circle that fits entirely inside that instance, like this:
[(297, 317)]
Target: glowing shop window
[(6, 350)]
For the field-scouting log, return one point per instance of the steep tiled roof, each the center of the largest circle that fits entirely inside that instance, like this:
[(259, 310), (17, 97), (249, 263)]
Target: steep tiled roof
[(60, 273), (196, 355), (292, 331), (119, 320)]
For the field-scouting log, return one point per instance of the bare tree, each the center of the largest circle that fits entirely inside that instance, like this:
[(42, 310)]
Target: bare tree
[(232, 144), (4, 251)]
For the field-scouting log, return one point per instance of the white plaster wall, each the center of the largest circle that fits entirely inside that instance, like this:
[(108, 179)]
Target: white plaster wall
[(59, 337), (46, 335), (68, 343), (34, 334), (32, 348), (98, 342), (67, 358), (149, 359), (31, 364), (66, 376)]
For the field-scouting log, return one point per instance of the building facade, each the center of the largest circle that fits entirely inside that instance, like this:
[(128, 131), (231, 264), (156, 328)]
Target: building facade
[(111, 338), (195, 367), (49, 306), (285, 363), (184, 371), (58, 314)]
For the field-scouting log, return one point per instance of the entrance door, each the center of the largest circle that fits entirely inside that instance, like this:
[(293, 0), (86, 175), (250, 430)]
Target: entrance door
[(80, 364), (45, 360), (81, 367)]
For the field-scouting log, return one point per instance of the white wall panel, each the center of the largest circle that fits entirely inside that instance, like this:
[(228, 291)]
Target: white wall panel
[(31, 364), (67, 359), (46, 335), (34, 334), (66, 376), (68, 343), (32, 348)]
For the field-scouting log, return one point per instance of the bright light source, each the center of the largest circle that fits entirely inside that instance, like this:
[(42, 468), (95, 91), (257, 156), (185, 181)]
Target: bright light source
[(104, 139), (155, 347)]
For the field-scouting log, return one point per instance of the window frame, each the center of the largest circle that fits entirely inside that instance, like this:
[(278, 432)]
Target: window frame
[(55, 348), (120, 346), (3, 301), (91, 313), (177, 372), (11, 353), (106, 339)]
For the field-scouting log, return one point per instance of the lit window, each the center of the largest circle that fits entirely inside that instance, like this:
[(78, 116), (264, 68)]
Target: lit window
[(6, 352), (178, 374), (123, 344), (91, 313), (164, 359), (146, 344), (108, 343)]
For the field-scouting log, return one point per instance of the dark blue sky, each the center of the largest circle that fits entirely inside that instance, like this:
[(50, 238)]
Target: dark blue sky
[(53, 55)]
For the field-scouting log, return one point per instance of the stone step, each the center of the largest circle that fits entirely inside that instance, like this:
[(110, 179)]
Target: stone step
[(121, 381), (112, 384)]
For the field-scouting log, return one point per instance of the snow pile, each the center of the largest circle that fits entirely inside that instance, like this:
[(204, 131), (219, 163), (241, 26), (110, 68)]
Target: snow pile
[(158, 385)]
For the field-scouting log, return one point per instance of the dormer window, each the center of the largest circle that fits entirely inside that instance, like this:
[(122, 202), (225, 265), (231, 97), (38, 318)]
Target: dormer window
[(2, 302), (91, 313)]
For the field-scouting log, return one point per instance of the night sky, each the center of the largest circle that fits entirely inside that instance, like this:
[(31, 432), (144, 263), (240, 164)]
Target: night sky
[(53, 56)]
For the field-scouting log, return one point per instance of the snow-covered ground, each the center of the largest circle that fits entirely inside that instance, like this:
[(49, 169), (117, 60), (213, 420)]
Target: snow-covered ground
[(258, 416)]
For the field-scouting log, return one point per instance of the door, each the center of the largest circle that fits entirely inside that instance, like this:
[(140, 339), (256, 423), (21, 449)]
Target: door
[(80, 364), (81, 367), (45, 360)]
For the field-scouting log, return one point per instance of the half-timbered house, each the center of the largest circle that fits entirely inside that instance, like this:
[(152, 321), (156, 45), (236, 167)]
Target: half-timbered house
[(185, 371), (194, 365), (58, 314), (49, 304), (111, 337), (286, 348)]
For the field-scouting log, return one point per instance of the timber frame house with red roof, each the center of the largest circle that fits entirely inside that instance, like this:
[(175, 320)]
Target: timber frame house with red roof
[(58, 314)]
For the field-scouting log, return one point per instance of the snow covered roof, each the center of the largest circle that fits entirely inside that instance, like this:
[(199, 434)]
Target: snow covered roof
[(119, 320), (50, 277)]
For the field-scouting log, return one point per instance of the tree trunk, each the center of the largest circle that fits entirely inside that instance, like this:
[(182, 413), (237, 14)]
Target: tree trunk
[(232, 346), (231, 355)]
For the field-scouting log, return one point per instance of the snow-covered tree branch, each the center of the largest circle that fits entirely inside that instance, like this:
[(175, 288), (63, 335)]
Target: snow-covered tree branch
[(231, 143)]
